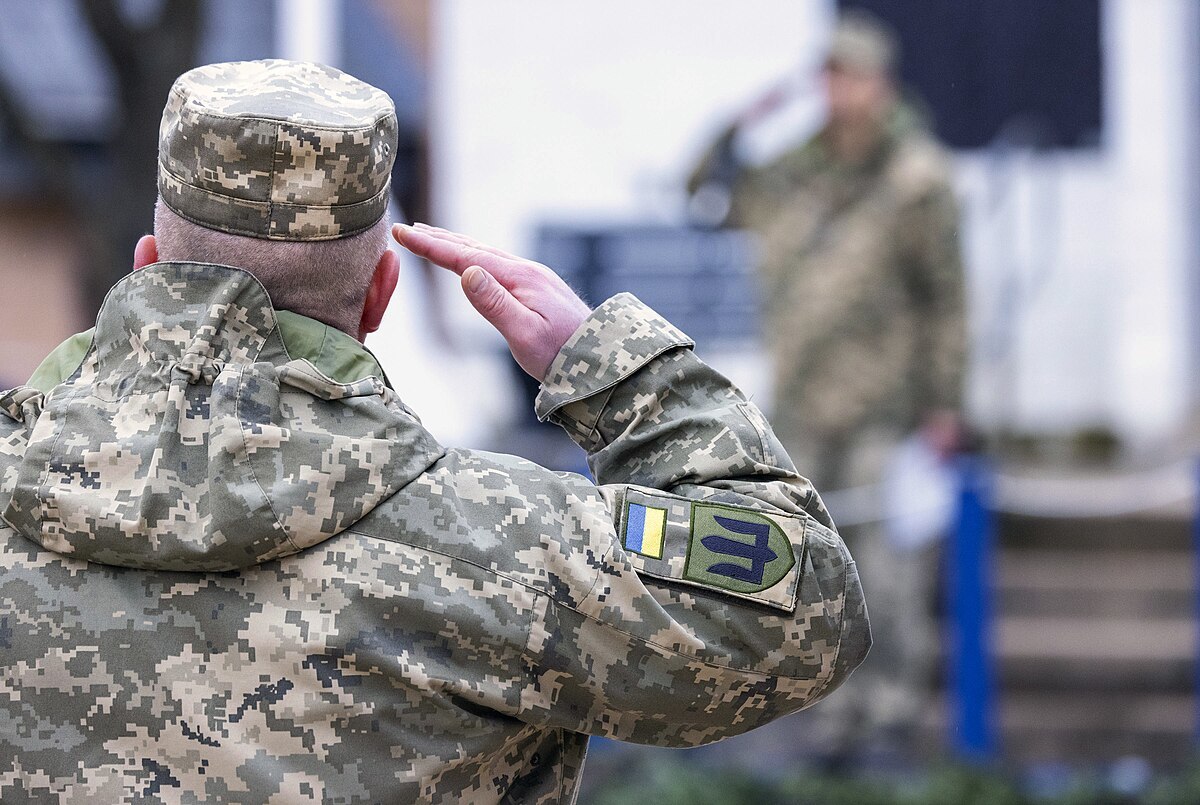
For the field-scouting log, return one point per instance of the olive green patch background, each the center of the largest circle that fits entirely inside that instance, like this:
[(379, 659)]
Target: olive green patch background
[(700, 558)]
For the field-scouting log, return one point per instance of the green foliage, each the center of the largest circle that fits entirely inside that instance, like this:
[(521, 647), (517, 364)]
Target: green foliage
[(680, 784), (691, 783), (1181, 789), (955, 785)]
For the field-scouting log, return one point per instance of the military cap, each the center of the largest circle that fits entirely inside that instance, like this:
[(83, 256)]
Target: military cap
[(863, 41), (276, 149)]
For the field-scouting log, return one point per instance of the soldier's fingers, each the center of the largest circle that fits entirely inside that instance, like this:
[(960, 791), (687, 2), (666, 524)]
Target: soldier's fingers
[(456, 257), (516, 273), (494, 302), (446, 234)]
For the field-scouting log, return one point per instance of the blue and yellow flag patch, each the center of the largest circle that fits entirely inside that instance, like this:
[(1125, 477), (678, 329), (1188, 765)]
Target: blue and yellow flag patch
[(734, 550), (644, 527)]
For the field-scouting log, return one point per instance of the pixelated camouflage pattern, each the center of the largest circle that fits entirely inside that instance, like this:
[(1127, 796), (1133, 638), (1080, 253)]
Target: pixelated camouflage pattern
[(204, 438), (863, 284), (277, 149), (457, 643)]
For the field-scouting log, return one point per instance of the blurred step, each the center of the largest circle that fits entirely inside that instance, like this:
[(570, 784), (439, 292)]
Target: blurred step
[(1103, 584), (1168, 714), (1164, 750), (1083, 728), (1142, 532), (1098, 640), (1090, 728), (1116, 571), (1110, 678)]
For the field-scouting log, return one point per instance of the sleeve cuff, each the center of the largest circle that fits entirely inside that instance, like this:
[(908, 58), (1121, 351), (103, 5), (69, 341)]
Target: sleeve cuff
[(619, 338)]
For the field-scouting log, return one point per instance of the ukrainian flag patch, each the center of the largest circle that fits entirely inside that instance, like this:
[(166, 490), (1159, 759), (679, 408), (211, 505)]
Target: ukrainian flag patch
[(748, 553), (645, 529)]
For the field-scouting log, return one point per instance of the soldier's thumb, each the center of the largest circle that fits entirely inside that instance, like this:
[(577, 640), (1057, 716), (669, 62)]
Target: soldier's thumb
[(490, 298)]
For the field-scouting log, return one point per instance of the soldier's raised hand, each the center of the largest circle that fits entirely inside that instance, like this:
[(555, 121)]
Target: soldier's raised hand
[(526, 302)]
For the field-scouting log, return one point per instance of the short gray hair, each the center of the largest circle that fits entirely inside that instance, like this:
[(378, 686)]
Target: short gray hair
[(325, 280)]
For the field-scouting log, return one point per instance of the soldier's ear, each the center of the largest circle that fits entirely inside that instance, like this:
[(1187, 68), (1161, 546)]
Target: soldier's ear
[(383, 283), (145, 252)]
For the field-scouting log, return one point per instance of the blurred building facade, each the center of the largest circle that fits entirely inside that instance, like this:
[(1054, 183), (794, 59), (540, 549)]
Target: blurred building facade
[(1082, 259)]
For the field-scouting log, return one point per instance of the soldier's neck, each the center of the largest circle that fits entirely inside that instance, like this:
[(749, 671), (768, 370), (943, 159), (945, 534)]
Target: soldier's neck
[(853, 144)]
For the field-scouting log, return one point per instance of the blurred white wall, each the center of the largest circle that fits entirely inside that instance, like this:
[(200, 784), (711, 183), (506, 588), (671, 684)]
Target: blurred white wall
[(1079, 261), (596, 112), (1154, 114), (584, 110)]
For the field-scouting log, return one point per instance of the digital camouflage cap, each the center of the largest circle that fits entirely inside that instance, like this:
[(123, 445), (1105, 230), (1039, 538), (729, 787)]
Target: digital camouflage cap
[(862, 41), (276, 149)]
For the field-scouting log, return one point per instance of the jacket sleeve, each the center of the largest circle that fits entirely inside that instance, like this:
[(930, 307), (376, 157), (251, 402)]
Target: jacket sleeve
[(725, 597), (928, 243)]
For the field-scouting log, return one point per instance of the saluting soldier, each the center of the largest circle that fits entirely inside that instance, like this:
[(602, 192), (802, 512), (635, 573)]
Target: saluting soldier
[(234, 567), (864, 321)]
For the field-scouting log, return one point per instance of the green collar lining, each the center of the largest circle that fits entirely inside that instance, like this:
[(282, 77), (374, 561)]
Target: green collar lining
[(337, 355)]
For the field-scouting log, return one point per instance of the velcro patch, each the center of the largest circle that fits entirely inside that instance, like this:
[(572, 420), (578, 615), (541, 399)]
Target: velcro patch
[(733, 550)]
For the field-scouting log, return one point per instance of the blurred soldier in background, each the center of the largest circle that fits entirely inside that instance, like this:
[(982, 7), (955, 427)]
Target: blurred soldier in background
[(236, 567), (864, 318)]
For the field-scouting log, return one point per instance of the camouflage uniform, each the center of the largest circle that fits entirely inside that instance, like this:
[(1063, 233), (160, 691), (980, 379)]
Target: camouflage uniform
[(863, 284), (233, 572)]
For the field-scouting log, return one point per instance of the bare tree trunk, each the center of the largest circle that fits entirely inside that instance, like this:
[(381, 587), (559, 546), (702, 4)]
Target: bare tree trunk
[(146, 61)]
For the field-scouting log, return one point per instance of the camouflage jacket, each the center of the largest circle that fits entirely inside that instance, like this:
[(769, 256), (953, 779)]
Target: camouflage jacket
[(228, 577), (863, 281)]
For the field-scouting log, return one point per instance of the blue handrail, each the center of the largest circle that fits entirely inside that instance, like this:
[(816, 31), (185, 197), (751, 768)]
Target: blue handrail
[(971, 675)]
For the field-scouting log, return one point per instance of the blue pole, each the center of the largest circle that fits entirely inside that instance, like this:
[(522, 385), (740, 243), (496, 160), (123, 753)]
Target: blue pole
[(972, 698)]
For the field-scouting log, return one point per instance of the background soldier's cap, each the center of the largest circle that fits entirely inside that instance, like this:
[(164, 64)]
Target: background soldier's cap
[(861, 41), (276, 149)]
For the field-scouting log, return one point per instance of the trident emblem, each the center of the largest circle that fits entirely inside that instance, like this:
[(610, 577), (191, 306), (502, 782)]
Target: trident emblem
[(757, 552)]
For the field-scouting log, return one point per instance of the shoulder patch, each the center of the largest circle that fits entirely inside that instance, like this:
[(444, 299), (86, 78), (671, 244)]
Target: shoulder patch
[(644, 527), (736, 549), (733, 550)]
